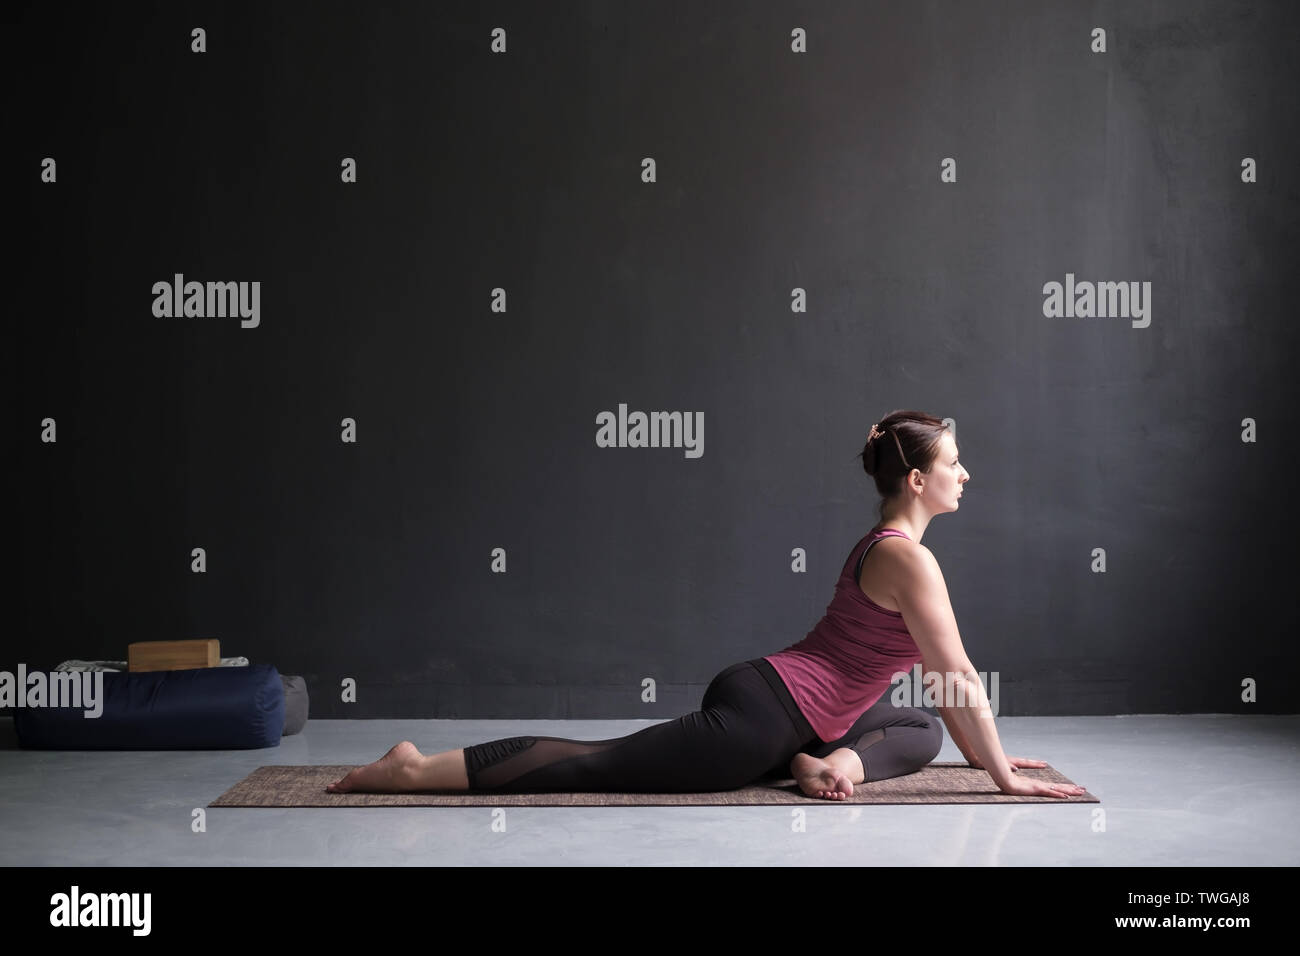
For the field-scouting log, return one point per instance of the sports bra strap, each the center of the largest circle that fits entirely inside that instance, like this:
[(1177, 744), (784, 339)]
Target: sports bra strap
[(884, 533)]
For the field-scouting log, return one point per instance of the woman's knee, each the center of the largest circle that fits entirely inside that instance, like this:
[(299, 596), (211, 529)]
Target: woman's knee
[(926, 740), (934, 737), (914, 743)]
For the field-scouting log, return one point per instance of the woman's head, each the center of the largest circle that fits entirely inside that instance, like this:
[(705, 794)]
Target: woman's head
[(913, 456)]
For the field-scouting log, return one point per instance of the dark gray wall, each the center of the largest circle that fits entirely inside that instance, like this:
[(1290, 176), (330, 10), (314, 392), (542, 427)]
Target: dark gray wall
[(476, 429)]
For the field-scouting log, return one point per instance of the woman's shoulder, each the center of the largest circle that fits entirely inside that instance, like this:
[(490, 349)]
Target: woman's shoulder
[(900, 557), (893, 539)]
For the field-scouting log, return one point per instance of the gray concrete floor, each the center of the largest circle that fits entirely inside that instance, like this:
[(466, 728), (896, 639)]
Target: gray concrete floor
[(1212, 790)]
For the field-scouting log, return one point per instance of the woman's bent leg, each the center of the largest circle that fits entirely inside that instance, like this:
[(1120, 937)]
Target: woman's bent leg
[(740, 731), (889, 741)]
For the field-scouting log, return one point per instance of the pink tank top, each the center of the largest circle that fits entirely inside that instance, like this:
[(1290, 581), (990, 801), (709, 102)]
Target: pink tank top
[(848, 660)]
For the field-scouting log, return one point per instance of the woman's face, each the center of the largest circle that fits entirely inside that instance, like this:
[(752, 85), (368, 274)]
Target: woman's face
[(947, 476)]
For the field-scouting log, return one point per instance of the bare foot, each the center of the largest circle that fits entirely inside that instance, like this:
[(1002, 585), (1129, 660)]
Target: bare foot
[(391, 773), (817, 778)]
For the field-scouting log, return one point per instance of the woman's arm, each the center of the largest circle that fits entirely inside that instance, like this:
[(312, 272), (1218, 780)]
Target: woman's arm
[(970, 718), (922, 598), (954, 731)]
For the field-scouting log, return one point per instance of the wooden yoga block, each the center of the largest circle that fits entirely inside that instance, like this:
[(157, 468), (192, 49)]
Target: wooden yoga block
[(173, 655)]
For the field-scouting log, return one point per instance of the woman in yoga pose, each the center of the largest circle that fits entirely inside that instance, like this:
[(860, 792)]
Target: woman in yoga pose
[(817, 711)]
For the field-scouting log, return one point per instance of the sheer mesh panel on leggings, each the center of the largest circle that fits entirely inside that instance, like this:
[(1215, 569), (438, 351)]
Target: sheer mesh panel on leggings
[(910, 748), (509, 761)]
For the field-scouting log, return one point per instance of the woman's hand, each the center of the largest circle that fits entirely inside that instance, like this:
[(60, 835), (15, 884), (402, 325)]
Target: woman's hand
[(1012, 763), (1029, 787)]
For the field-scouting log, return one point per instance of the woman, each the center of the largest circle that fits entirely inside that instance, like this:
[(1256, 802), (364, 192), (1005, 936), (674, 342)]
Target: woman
[(816, 711)]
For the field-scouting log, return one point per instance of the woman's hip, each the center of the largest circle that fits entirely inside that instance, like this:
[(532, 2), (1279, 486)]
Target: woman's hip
[(753, 688)]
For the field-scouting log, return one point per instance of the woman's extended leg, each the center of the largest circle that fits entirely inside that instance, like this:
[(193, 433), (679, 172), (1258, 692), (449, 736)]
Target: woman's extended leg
[(741, 729), (886, 741)]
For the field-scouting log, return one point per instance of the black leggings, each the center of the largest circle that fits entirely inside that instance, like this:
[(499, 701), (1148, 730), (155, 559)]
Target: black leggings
[(748, 727)]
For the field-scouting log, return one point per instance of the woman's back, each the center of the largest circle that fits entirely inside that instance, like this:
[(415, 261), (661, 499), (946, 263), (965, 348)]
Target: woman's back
[(849, 659)]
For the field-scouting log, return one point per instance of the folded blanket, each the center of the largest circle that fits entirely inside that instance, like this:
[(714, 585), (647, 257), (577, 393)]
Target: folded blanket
[(122, 665)]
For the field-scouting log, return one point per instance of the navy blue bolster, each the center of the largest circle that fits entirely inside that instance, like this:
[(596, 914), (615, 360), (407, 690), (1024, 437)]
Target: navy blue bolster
[(209, 708)]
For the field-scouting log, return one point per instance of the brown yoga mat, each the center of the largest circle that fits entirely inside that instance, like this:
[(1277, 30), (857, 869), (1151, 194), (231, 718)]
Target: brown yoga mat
[(293, 786)]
